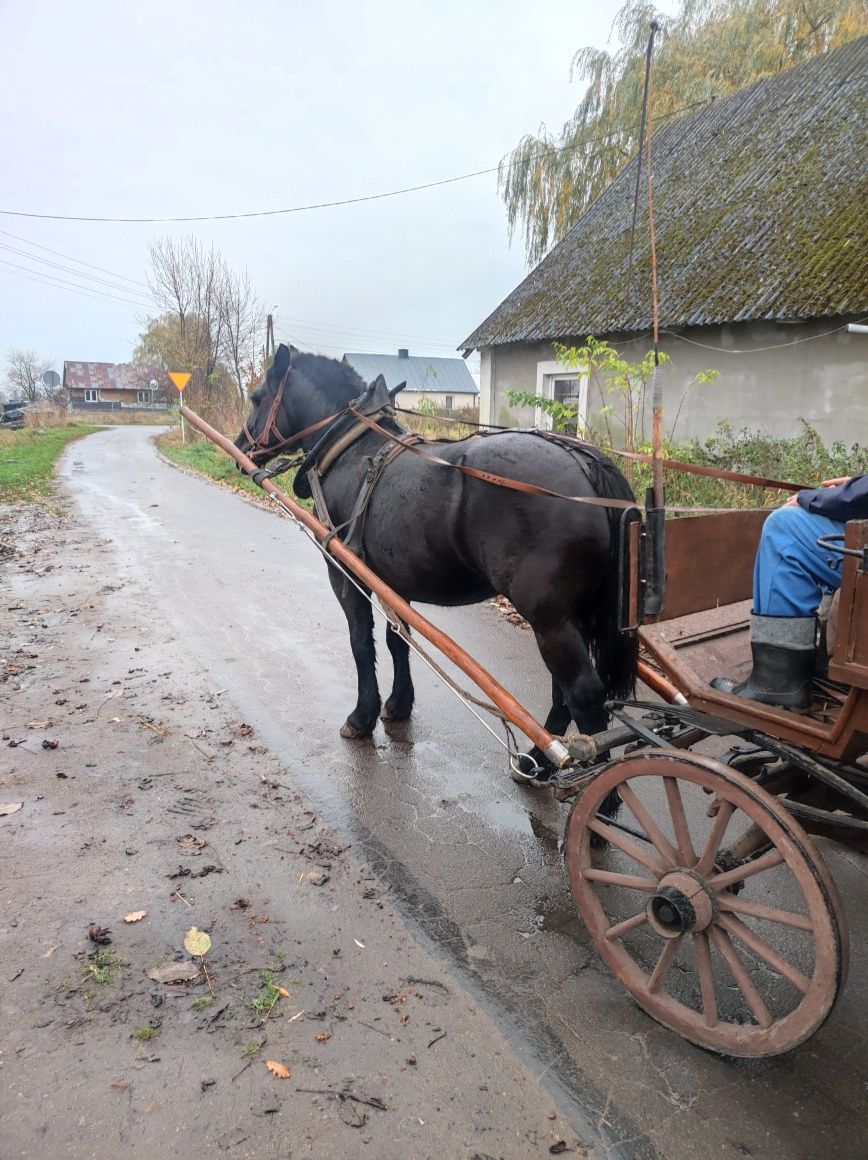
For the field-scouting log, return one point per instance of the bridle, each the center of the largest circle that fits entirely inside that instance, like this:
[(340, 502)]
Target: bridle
[(262, 442)]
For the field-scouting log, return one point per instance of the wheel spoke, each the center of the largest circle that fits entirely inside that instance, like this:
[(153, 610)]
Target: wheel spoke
[(627, 846), (740, 974), (766, 862), (770, 913), (686, 853), (626, 926), (661, 843), (611, 878), (721, 821), (664, 963), (761, 948), (706, 978)]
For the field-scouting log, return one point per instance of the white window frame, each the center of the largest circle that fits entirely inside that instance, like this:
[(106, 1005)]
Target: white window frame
[(91, 394), (546, 373), (145, 396)]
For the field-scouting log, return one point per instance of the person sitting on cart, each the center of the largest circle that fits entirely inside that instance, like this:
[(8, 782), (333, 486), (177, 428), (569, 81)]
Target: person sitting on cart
[(791, 574)]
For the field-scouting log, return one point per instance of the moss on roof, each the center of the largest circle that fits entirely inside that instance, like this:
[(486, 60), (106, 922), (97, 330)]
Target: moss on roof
[(759, 202)]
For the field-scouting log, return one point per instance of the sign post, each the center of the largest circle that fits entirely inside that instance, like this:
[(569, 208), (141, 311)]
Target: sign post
[(180, 379)]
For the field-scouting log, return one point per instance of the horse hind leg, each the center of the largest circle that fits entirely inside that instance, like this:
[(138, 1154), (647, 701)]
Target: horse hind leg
[(360, 619), (399, 706), (577, 691), (556, 723)]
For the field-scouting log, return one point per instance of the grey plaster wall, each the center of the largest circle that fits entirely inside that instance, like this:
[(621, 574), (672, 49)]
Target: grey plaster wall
[(823, 380)]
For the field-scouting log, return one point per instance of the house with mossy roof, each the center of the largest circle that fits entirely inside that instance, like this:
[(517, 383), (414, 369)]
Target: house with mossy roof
[(760, 211)]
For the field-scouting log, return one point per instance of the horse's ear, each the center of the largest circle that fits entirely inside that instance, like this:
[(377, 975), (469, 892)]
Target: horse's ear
[(395, 391), (379, 383), (282, 360)]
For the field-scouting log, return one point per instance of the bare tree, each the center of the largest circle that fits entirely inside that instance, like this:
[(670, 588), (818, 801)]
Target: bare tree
[(24, 371), (243, 324), (210, 314), (186, 281)]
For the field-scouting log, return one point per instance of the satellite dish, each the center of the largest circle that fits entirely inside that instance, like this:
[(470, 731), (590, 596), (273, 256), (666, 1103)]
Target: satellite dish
[(51, 380)]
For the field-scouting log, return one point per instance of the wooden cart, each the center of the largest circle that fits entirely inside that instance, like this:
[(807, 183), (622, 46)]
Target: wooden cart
[(706, 895)]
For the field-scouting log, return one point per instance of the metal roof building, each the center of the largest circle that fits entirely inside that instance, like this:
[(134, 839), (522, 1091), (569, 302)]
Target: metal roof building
[(441, 375)]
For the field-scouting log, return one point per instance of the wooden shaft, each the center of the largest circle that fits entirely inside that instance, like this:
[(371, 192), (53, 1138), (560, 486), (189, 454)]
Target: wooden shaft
[(504, 700), (660, 685)]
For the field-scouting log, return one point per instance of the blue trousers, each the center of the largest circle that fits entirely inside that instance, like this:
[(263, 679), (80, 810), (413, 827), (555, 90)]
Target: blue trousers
[(791, 572)]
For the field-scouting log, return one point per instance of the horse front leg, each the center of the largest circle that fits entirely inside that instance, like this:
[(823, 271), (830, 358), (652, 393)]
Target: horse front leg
[(360, 619), (400, 703)]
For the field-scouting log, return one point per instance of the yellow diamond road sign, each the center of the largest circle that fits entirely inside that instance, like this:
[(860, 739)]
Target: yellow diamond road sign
[(180, 378)]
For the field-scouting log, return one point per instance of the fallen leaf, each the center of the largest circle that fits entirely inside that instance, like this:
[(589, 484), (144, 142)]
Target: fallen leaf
[(99, 934), (185, 972), (135, 916), (49, 952), (38, 724), (191, 842), (283, 991), (119, 1087), (9, 808), (359, 944), (323, 1037), (295, 1018), (278, 1069), (197, 941), (352, 1114)]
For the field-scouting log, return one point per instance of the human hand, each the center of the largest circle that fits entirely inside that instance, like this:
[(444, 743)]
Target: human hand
[(792, 501), (835, 482)]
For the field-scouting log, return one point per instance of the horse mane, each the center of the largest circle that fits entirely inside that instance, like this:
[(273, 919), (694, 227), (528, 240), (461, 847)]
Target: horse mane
[(337, 381)]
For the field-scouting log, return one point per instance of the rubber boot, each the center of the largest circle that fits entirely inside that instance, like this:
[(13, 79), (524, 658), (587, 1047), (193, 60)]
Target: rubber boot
[(784, 654)]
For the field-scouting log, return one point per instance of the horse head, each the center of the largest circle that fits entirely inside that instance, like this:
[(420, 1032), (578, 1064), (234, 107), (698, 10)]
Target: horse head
[(300, 391)]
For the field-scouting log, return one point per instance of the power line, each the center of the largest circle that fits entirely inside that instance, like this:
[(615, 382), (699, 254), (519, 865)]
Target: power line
[(61, 284), (78, 261), (758, 349), (213, 217), (77, 273)]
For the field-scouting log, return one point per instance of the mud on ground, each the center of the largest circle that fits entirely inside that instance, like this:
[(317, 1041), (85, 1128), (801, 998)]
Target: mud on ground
[(141, 790)]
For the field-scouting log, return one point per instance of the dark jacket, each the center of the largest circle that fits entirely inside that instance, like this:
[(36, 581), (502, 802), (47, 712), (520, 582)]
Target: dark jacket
[(847, 501)]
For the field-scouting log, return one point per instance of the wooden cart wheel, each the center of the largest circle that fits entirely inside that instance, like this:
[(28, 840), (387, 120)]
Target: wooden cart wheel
[(744, 955)]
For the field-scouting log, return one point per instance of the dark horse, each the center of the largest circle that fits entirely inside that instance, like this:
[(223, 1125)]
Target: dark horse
[(442, 537)]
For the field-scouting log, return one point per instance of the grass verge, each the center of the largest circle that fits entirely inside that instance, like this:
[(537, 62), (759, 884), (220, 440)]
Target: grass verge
[(28, 459), (208, 460)]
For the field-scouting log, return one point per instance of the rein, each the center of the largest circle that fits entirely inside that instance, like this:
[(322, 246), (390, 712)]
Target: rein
[(262, 443)]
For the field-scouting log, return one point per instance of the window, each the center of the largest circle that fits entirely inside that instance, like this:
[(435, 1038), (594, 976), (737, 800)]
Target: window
[(91, 395), (449, 401), (554, 382), (145, 396)]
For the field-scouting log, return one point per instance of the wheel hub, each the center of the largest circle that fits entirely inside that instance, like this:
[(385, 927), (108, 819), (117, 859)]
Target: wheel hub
[(681, 903)]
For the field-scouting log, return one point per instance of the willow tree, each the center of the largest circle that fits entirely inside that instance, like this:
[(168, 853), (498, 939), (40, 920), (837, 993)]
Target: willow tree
[(708, 49)]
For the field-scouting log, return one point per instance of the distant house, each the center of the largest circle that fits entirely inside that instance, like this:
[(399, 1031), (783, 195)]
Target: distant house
[(99, 386), (444, 382), (760, 204)]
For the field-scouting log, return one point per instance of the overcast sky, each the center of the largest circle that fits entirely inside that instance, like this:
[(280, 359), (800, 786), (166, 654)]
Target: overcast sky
[(162, 109)]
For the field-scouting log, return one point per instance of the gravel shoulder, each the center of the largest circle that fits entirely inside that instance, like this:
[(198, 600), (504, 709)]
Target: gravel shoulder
[(141, 789)]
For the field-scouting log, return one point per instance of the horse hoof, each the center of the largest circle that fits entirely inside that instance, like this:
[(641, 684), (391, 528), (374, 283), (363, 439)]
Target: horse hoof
[(350, 733), (393, 715)]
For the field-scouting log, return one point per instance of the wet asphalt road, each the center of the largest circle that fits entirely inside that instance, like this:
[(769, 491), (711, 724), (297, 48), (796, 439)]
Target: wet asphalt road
[(472, 858)]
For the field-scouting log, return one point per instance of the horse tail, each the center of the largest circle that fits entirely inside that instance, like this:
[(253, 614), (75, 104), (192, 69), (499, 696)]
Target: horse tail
[(615, 653)]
